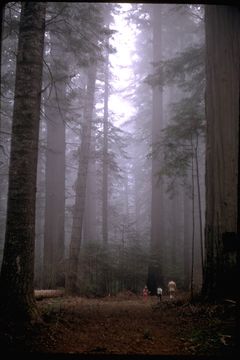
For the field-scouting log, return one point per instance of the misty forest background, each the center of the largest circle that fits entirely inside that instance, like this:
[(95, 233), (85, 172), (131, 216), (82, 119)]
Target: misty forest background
[(136, 177)]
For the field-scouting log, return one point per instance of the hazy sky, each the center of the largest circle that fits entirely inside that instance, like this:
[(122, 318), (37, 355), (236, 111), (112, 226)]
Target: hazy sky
[(121, 63)]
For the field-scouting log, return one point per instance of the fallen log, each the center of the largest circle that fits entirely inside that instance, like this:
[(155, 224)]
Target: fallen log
[(42, 294)]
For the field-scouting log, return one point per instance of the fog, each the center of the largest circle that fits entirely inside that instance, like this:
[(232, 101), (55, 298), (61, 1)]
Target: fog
[(121, 160)]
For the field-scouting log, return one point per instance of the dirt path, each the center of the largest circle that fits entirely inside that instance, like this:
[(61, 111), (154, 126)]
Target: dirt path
[(128, 327), (122, 326)]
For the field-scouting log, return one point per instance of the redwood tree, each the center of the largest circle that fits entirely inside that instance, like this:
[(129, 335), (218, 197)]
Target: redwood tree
[(55, 173), (222, 114), (155, 277), (16, 279), (79, 206)]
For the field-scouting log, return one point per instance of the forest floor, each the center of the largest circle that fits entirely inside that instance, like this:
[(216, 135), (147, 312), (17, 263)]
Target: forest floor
[(127, 325)]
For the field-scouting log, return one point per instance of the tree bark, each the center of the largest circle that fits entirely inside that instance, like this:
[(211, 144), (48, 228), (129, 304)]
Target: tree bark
[(55, 176), (193, 226), (105, 266), (90, 213), (105, 155), (199, 195), (16, 280), (78, 212), (187, 238), (222, 114), (155, 276), (2, 6)]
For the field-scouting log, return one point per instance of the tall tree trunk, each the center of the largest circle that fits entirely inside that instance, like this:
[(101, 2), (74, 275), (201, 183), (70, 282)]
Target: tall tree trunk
[(105, 268), (105, 154), (53, 260), (187, 238), (222, 114), (193, 226), (90, 213), (2, 150), (199, 204), (40, 209), (17, 274), (55, 200), (78, 212), (126, 201), (136, 200), (238, 250), (155, 276), (2, 5), (174, 230)]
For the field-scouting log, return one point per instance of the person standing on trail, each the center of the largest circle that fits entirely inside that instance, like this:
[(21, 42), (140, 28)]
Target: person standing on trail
[(159, 293), (145, 293), (172, 289)]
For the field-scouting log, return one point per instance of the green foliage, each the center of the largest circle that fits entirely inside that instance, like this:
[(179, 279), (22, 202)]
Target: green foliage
[(111, 270), (186, 70), (187, 121), (180, 137), (79, 27)]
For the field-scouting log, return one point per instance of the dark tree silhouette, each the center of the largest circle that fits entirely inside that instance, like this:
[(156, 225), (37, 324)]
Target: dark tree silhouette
[(16, 280), (222, 113), (79, 206)]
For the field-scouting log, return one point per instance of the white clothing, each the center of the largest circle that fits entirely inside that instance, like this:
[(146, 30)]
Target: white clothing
[(172, 286), (159, 291)]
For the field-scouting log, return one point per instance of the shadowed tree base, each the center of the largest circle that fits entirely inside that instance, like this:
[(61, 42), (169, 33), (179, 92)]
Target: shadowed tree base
[(154, 279), (19, 311)]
